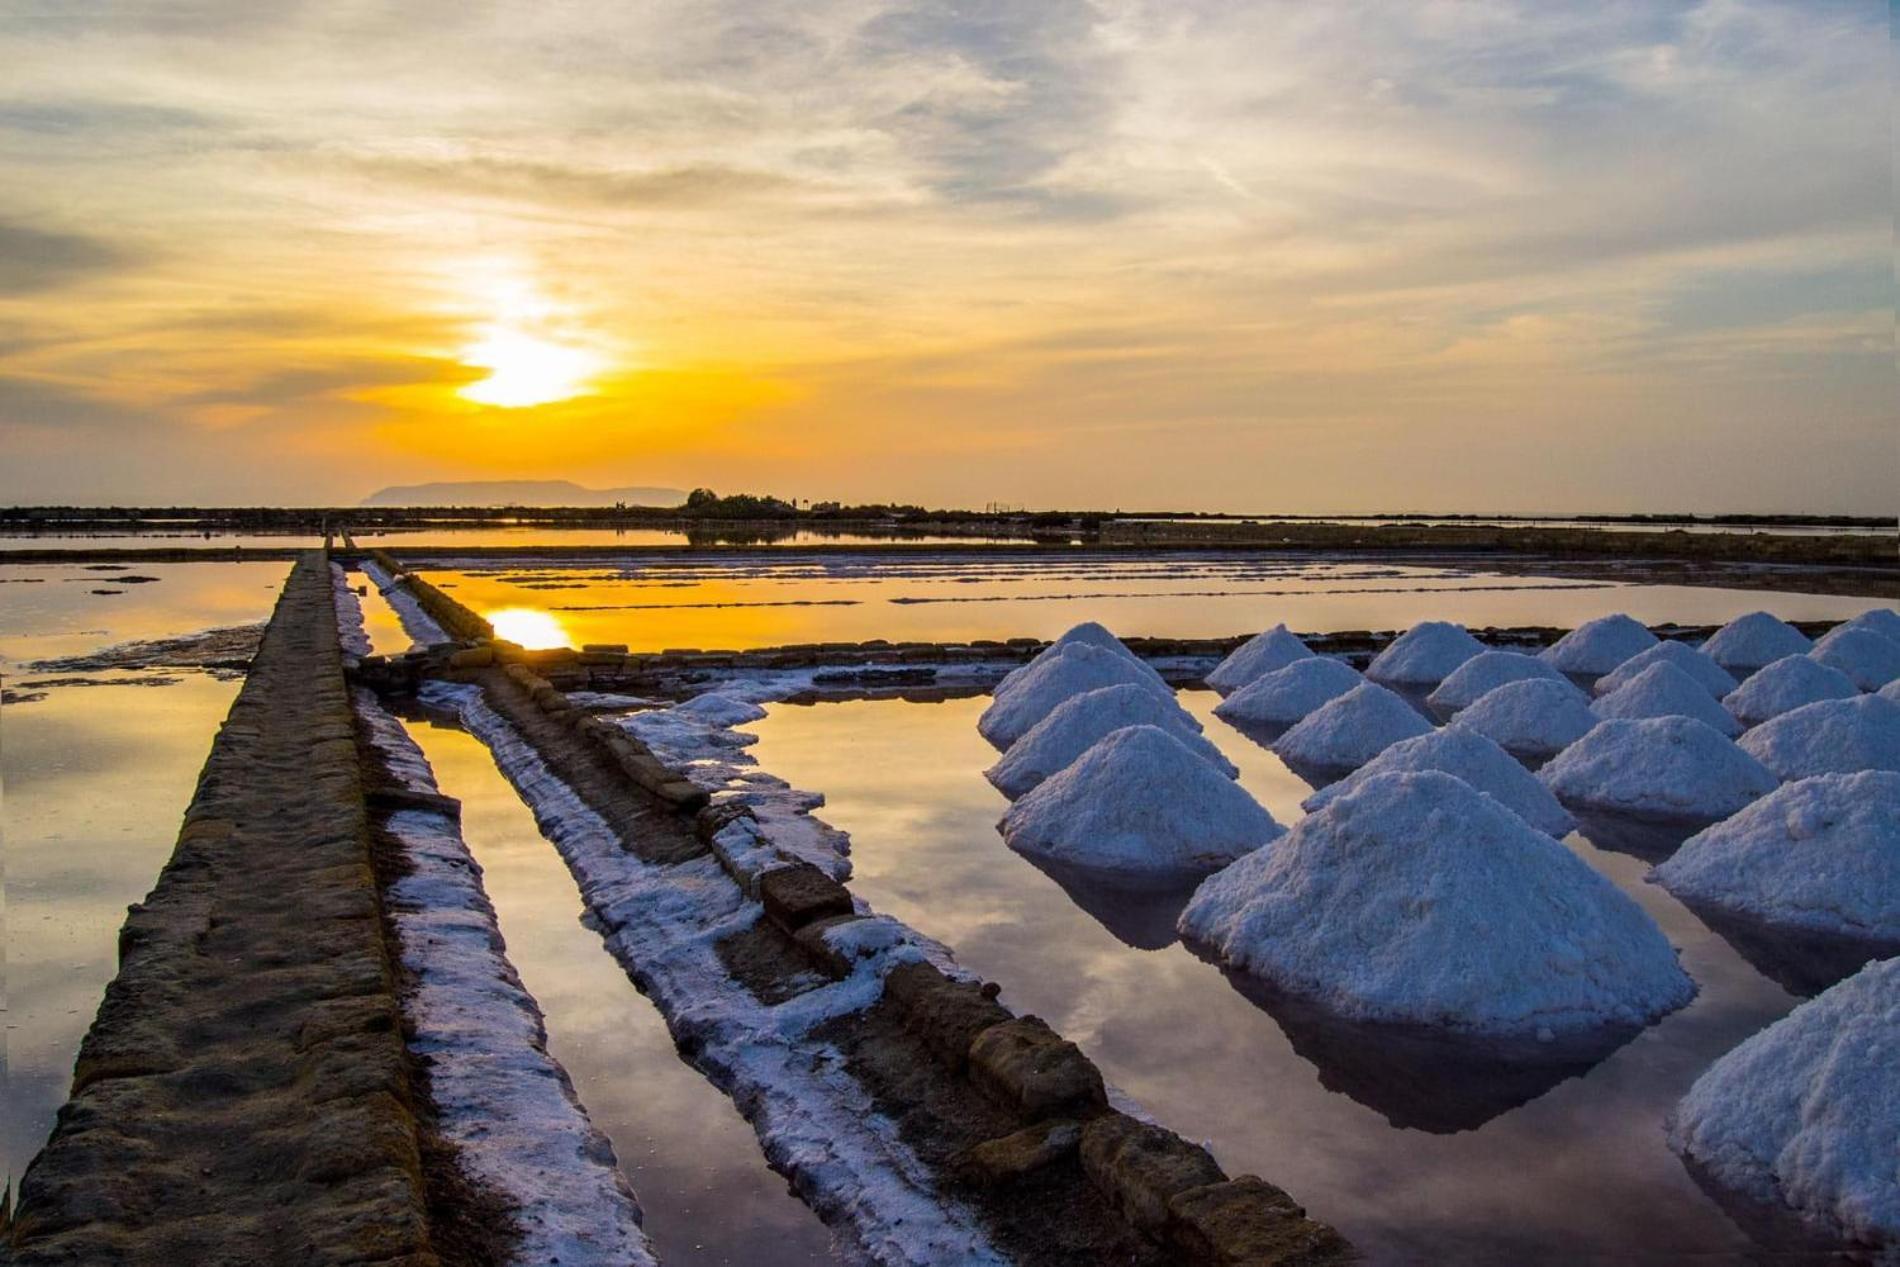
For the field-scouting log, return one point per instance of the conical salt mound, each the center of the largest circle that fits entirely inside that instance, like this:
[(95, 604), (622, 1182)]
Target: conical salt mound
[(1468, 756), (1080, 721), (1787, 684), (1709, 675), (1351, 730), (1414, 898), (1532, 720), (1078, 667), (1806, 1114), (1486, 672), (1668, 769), (1598, 646), (1748, 642), (1256, 657), (1884, 621), (1663, 690), (1139, 807), (1891, 691), (1835, 736), (1870, 660), (1821, 854), (1424, 655), (1286, 695), (1089, 634)]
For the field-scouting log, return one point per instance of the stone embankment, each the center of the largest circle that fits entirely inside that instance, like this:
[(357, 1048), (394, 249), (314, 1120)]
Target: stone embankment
[(1011, 1120), (243, 1095)]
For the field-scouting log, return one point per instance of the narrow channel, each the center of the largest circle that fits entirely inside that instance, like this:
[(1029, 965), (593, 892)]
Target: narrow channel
[(695, 1164)]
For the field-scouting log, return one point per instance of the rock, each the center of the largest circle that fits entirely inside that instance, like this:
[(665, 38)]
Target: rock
[(997, 1161), (1247, 1222), (1139, 1166), (948, 1015), (796, 895), (1028, 1066)]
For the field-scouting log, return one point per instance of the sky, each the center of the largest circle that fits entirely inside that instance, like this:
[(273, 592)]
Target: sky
[(1454, 255)]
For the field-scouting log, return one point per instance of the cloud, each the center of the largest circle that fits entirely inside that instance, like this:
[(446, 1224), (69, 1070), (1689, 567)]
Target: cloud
[(33, 260)]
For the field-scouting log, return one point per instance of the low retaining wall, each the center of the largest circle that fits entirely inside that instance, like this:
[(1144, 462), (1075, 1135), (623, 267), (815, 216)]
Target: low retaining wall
[(243, 1095)]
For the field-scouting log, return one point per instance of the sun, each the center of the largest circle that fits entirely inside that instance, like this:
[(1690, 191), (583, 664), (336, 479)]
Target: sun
[(527, 627), (530, 348)]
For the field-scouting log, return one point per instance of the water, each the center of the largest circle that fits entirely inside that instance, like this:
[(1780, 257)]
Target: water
[(96, 783), (1580, 1173), (1368, 521), (693, 1161), (500, 535), (685, 601)]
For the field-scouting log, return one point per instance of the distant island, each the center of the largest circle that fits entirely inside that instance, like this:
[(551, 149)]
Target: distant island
[(520, 493)]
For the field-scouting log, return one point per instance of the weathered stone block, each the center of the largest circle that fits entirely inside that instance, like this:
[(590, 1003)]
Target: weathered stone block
[(1247, 1222), (1138, 1167), (946, 1014), (998, 1161), (472, 658), (1031, 1068), (794, 896)]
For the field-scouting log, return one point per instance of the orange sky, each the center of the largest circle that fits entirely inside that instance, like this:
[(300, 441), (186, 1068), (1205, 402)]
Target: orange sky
[(1477, 255)]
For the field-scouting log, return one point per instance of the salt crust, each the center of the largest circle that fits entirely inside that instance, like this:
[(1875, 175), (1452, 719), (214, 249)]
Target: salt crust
[(1415, 899), (1807, 1112)]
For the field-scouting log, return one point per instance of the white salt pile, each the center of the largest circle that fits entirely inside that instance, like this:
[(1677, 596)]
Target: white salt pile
[(1835, 736), (1821, 854), (1785, 685), (1424, 655), (1870, 660), (1484, 673), (1663, 690), (1890, 691), (1081, 720), (721, 710), (1022, 701), (1598, 646), (1351, 730), (1806, 1114), (1882, 620), (1256, 657), (1671, 769), (1712, 677), (1533, 719), (1139, 806), (1288, 694), (1089, 634), (1748, 642), (1465, 755), (1414, 898)]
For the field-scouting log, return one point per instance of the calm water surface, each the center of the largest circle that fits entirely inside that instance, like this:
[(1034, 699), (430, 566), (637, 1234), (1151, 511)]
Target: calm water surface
[(1470, 1174)]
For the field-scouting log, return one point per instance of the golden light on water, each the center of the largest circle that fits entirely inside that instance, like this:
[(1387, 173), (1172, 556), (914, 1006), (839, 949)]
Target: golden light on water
[(528, 627), (530, 348)]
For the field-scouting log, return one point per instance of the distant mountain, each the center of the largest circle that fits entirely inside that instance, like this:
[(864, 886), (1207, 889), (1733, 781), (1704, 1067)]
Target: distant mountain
[(519, 493)]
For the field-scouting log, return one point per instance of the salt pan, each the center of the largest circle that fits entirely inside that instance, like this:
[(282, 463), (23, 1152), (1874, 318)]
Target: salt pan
[(1081, 720), (1748, 642), (1484, 673), (1669, 769), (1141, 807), (1598, 646), (1821, 854), (1414, 898), (1836, 736), (1256, 657), (1807, 1112), (1532, 720), (1785, 685), (1712, 677), (1022, 701), (1869, 659), (1663, 690), (1466, 755), (1286, 695), (1351, 730), (1424, 655)]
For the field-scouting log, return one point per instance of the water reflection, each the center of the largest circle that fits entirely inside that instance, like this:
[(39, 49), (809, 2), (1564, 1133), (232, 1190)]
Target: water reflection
[(1651, 839), (1801, 961), (1140, 917), (528, 627), (1561, 1164)]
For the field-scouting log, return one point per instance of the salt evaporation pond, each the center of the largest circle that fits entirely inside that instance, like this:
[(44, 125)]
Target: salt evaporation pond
[(1488, 1170)]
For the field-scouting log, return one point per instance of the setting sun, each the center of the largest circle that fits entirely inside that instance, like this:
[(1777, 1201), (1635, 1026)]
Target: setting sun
[(528, 627), (524, 369)]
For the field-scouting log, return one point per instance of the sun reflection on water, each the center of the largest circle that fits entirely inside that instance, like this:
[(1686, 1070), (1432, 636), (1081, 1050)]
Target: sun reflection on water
[(528, 627)]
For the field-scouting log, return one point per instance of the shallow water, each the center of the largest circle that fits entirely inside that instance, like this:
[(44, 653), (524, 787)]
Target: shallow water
[(686, 601), (1578, 1173), (161, 539), (96, 783), (692, 1160)]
